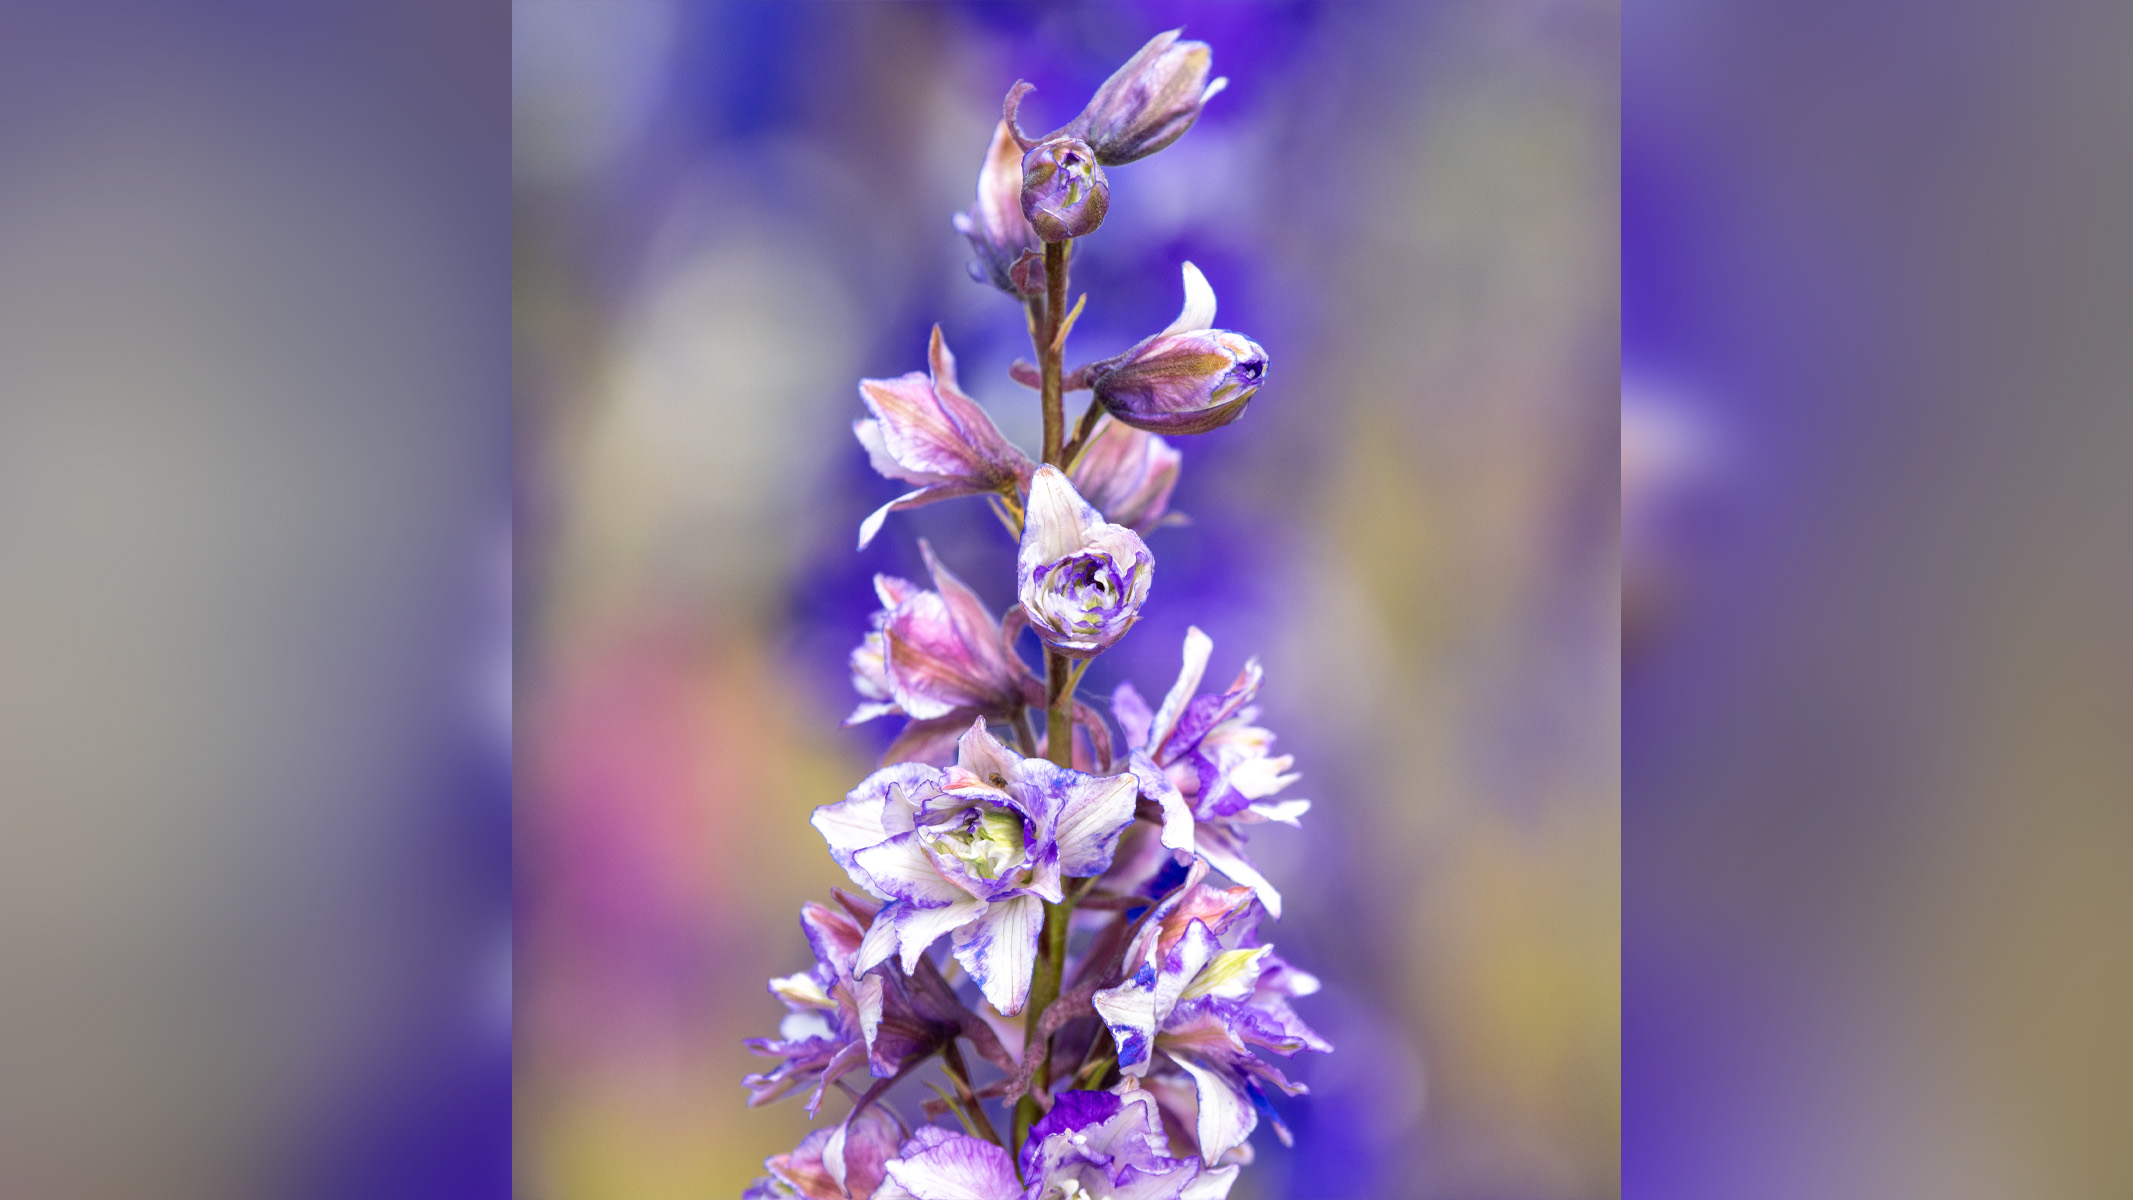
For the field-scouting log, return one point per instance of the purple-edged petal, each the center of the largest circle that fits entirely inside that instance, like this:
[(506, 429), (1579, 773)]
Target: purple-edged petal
[(900, 869), (1095, 810), (1198, 646), (957, 1167), (833, 935), (1212, 1183), (1081, 580), (879, 808), (907, 929), (999, 950), (1157, 786), (1133, 714)]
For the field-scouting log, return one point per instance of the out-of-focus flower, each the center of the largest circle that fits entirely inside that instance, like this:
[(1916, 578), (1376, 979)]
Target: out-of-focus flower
[(1010, 255), (1190, 378), (871, 1140), (973, 851), (939, 658), (1209, 768), (926, 431), (1090, 1145), (1204, 994), (1064, 192), (1127, 474), (1150, 101), (1082, 580), (837, 1021)]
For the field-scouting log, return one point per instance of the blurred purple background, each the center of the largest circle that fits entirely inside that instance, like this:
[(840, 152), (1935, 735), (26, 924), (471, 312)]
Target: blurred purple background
[(725, 215)]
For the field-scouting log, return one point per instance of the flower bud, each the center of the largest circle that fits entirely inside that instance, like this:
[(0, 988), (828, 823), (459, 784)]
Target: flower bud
[(1064, 192), (1007, 248), (1127, 474), (1190, 378), (1150, 102), (1081, 581)]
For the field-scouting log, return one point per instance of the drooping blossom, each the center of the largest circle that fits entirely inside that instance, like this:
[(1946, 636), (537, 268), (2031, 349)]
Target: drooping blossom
[(940, 658), (1127, 474), (926, 431), (1204, 995), (1150, 101), (1010, 254), (1090, 1146), (1209, 768), (1189, 378), (973, 850), (836, 1021), (871, 1139), (1064, 192), (1081, 579)]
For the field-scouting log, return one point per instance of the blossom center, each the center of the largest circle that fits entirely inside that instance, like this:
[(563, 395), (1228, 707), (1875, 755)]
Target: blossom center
[(988, 841)]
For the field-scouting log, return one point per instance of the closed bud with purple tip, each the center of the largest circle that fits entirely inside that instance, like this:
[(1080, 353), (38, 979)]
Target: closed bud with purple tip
[(1190, 378), (1150, 102), (1082, 580), (1064, 192)]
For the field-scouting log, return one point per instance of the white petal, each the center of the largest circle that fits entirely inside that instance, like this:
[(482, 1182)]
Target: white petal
[(1284, 811), (1226, 1118), (1000, 951), (918, 928), (959, 1167), (868, 1002), (899, 867), (1211, 1184), (1199, 310), (1223, 854), (1197, 647), (1056, 519)]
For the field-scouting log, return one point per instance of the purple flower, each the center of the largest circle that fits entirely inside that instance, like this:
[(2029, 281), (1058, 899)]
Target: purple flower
[(1090, 1146), (1127, 474), (837, 1021), (973, 850), (1209, 768), (1064, 192), (1190, 378), (1009, 252), (871, 1139), (1205, 993), (926, 431), (1150, 101), (1082, 581), (939, 658)]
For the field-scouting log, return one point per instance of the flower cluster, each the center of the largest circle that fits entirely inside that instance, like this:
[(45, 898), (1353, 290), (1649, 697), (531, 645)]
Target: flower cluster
[(1038, 880)]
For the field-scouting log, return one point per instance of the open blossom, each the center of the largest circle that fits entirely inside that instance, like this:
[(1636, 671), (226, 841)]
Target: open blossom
[(926, 431), (939, 658), (1081, 579), (1210, 769), (974, 851), (1204, 995), (1064, 192), (1150, 101), (871, 1139), (1010, 254), (1190, 378), (1127, 474), (1090, 1146), (836, 1021)]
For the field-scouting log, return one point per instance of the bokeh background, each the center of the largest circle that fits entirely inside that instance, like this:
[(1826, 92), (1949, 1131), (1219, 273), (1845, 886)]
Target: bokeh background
[(725, 215)]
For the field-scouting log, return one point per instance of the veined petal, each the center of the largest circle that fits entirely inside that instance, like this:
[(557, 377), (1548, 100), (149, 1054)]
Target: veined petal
[(913, 929), (867, 1001), (1227, 1117), (1000, 950), (1097, 809), (1057, 520), (1212, 1183), (1231, 975), (833, 936), (1133, 715), (1199, 310), (801, 991), (956, 1167), (1198, 646), (1128, 1010), (923, 496), (900, 868)]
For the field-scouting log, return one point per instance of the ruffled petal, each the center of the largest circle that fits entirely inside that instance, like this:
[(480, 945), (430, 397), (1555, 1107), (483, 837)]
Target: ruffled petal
[(999, 950)]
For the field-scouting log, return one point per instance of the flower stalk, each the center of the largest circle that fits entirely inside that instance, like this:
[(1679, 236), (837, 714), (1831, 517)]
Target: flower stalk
[(960, 839)]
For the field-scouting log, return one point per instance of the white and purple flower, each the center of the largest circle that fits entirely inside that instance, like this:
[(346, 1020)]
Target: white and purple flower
[(836, 1021), (1082, 580), (1190, 378), (1204, 995), (1090, 1146), (939, 658), (926, 431), (1208, 767), (973, 851)]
